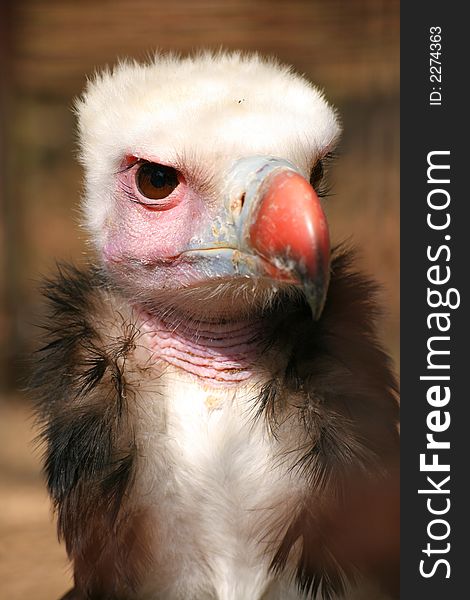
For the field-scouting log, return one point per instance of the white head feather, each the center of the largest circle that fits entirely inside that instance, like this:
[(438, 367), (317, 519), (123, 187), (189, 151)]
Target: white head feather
[(211, 109)]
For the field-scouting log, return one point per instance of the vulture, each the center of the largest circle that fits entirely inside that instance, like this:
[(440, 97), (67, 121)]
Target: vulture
[(219, 419)]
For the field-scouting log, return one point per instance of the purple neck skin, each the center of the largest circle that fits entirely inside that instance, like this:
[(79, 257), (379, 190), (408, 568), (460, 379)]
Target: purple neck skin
[(217, 353)]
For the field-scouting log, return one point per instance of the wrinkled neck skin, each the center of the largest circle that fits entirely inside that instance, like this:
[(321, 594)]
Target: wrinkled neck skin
[(219, 346), (218, 353)]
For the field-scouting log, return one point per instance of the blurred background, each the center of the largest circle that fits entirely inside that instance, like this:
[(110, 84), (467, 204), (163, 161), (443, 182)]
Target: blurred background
[(47, 48)]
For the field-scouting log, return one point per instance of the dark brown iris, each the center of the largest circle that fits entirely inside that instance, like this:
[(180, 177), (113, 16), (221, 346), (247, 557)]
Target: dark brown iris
[(156, 181)]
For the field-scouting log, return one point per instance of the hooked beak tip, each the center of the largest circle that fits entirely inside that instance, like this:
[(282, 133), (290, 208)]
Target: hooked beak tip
[(289, 226)]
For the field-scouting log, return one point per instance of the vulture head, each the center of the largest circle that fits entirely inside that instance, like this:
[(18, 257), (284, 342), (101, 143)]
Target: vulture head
[(198, 191), (219, 419)]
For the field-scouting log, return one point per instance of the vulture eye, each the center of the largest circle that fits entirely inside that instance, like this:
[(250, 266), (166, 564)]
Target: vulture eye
[(316, 175), (156, 181)]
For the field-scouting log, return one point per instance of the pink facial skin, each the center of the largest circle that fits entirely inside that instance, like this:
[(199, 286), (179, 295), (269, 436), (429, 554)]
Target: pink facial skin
[(152, 231), (149, 236), (178, 253)]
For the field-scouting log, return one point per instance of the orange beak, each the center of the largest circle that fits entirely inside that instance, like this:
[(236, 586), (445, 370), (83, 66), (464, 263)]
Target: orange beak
[(289, 230)]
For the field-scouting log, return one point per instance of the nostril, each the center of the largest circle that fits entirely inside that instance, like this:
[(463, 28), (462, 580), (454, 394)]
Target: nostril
[(236, 205)]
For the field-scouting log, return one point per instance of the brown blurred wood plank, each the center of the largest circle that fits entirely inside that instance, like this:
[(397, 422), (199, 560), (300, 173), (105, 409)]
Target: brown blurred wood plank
[(344, 45), (8, 216), (32, 564)]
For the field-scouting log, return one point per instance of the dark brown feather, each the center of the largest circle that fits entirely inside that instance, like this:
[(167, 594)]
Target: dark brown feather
[(90, 450), (346, 399)]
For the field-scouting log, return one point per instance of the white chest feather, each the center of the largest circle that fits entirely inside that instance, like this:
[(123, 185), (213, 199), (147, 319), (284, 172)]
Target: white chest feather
[(213, 478)]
